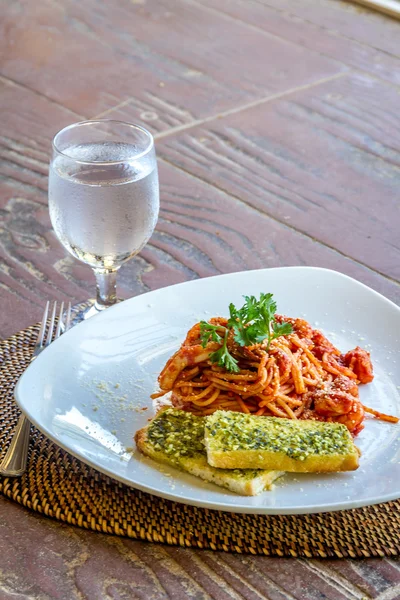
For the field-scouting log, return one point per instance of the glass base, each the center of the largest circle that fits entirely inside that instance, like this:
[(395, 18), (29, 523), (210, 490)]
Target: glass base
[(84, 310)]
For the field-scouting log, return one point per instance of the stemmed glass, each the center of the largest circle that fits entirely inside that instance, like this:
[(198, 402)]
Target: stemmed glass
[(103, 198)]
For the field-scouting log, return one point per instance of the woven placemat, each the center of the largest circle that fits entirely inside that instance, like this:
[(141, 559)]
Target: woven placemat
[(61, 487)]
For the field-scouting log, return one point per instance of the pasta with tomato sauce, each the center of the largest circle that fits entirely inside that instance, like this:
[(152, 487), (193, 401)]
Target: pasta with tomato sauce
[(301, 375)]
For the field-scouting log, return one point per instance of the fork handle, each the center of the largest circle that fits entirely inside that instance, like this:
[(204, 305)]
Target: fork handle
[(16, 458)]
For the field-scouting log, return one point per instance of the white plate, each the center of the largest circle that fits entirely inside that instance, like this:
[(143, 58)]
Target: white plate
[(74, 391)]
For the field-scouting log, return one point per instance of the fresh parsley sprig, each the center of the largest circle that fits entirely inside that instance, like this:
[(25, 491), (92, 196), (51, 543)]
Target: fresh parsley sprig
[(251, 324), (209, 333), (222, 356), (255, 321)]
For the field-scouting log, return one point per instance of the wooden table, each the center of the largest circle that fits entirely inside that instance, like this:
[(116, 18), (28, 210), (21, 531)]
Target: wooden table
[(278, 137)]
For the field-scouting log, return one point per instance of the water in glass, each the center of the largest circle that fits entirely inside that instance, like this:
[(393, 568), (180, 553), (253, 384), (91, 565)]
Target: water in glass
[(103, 213)]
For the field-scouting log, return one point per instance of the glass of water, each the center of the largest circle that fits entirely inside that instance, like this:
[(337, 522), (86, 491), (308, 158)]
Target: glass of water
[(103, 198)]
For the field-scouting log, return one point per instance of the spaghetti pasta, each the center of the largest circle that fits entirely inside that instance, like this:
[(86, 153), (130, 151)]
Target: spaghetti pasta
[(297, 376)]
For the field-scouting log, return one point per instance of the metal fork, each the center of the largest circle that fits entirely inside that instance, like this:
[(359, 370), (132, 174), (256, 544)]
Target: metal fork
[(16, 458)]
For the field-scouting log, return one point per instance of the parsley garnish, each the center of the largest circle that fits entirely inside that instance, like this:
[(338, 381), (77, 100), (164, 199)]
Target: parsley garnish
[(209, 333), (222, 357), (251, 324)]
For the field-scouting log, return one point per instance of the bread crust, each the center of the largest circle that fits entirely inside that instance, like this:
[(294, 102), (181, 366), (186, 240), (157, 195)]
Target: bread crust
[(262, 459)]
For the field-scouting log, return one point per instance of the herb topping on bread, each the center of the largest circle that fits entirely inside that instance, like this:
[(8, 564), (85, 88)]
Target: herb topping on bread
[(238, 441), (176, 438)]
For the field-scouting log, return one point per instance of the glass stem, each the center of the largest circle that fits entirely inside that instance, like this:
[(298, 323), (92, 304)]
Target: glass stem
[(106, 288)]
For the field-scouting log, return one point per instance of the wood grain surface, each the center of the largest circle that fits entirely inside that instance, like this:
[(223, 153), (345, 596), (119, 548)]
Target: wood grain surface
[(343, 31), (320, 160), (278, 135)]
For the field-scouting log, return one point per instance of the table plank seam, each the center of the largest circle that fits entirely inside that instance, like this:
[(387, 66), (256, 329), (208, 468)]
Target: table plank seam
[(248, 105), (346, 37), (237, 19), (109, 110), (281, 222), (320, 53), (228, 112)]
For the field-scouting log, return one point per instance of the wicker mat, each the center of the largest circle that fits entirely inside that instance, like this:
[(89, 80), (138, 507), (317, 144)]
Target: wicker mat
[(61, 487)]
